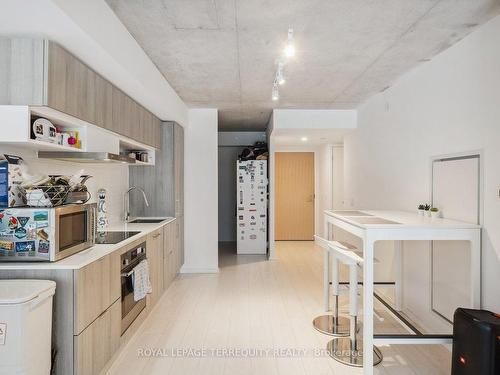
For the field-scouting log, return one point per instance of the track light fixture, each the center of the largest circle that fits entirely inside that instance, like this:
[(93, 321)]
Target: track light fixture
[(290, 46), (275, 94), (280, 75)]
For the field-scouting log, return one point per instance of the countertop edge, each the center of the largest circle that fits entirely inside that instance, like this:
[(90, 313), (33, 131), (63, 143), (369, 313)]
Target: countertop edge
[(92, 254)]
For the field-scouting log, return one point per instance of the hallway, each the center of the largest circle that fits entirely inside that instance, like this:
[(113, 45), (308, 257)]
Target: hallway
[(255, 304)]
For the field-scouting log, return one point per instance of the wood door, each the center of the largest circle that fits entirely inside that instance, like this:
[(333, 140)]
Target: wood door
[(294, 196)]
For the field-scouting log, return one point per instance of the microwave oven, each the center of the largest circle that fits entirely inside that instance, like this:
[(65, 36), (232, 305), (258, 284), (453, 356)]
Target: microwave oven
[(29, 234)]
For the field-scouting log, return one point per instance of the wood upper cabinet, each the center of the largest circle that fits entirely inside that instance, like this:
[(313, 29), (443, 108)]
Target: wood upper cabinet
[(179, 170), (40, 72), (96, 287), (57, 67), (71, 85), (104, 103)]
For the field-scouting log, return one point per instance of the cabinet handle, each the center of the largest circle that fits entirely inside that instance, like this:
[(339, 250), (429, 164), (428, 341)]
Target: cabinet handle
[(156, 235)]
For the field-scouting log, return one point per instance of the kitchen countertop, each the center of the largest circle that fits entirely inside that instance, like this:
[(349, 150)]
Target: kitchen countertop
[(94, 253)]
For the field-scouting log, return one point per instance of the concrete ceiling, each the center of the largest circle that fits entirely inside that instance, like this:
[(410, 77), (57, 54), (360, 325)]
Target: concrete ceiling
[(222, 53)]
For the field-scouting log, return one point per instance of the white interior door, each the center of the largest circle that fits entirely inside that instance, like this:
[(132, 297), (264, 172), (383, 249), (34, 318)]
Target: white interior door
[(455, 191)]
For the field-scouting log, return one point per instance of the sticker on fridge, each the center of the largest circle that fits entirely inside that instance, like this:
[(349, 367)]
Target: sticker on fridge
[(43, 247), (41, 215), (25, 246)]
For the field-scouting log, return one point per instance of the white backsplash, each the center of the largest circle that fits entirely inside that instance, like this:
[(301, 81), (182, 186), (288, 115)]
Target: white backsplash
[(112, 177)]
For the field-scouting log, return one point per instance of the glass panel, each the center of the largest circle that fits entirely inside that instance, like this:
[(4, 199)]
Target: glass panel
[(72, 230)]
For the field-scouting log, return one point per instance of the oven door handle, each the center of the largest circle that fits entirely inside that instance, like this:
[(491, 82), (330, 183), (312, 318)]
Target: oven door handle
[(127, 274)]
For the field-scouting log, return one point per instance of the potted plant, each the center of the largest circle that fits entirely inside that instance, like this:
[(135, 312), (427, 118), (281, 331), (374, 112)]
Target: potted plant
[(434, 212), (421, 209), (427, 209)]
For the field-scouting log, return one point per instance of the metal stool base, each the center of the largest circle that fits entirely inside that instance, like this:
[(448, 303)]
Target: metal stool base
[(340, 350), (331, 325)]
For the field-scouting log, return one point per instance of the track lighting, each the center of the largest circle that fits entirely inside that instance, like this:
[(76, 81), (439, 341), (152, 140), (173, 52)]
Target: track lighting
[(280, 75), (290, 47), (275, 94)]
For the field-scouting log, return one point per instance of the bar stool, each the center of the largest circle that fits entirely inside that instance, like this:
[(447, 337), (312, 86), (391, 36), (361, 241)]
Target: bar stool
[(349, 350), (334, 325)]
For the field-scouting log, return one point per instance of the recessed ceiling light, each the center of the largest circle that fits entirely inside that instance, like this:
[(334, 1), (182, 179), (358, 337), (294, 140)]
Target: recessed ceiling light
[(303, 139)]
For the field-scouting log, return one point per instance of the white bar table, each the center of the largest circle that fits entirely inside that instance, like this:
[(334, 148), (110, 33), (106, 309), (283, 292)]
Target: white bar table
[(372, 226)]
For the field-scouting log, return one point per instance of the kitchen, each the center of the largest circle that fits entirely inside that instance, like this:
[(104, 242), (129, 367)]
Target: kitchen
[(122, 131)]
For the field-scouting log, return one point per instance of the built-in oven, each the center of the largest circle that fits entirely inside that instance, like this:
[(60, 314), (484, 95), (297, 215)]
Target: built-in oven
[(130, 307)]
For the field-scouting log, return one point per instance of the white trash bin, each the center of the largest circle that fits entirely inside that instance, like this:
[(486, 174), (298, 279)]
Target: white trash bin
[(26, 326)]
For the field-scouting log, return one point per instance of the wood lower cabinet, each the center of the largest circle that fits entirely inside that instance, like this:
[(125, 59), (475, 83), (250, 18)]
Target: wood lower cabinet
[(87, 303), (172, 256), (96, 287), (155, 247), (95, 346)]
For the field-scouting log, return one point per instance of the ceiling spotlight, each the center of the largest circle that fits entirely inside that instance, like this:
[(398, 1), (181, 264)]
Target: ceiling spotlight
[(290, 47), (280, 76), (276, 94), (303, 139)]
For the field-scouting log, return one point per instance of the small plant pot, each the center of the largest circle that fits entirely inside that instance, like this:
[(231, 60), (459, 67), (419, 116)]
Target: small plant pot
[(427, 213), (434, 214), (421, 212)]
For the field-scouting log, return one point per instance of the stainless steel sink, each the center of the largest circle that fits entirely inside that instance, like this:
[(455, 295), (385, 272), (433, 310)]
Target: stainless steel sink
[(137, 221)]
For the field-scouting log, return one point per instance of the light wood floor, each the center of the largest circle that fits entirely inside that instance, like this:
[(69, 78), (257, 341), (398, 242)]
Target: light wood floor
[(257, 304)]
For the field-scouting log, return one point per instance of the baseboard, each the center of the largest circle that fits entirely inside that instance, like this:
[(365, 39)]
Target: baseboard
[(199, 270)]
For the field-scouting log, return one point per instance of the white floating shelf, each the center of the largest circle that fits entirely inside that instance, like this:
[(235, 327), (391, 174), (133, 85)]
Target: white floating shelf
[(47, 146), (139, 163)]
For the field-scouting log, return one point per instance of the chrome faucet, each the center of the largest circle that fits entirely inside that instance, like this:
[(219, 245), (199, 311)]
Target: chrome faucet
[(126, 201)]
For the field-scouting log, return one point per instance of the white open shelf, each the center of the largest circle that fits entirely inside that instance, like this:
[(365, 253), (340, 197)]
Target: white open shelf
[(47, 146), (127, 146), (16, 130)]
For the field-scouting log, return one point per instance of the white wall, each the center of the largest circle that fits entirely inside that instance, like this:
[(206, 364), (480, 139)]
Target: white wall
[(330, 193), (445, 106), (112, 177), (91, 31), (324, 194), (338, 177), (200, 192)]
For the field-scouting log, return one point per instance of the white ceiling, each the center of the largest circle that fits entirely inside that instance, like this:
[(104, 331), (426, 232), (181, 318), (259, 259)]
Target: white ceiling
[(222, 53)]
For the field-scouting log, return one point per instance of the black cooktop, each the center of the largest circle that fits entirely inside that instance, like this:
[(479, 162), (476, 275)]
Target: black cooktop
[(112, 237)]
